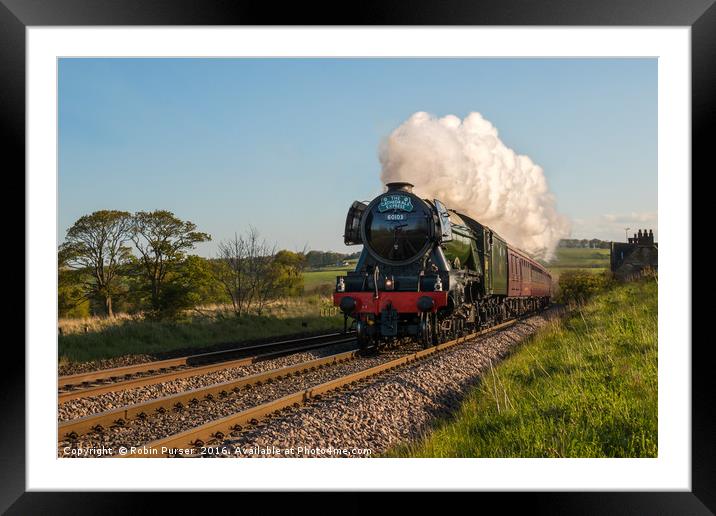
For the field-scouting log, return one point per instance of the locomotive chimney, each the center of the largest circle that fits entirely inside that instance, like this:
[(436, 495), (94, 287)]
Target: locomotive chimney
[(400, 186)]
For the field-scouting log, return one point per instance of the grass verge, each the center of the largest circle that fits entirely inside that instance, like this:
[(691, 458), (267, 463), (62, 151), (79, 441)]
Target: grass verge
[(129, 336), (584, 386)]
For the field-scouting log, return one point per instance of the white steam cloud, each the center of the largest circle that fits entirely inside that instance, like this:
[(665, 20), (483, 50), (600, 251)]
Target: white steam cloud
[(464, 164)]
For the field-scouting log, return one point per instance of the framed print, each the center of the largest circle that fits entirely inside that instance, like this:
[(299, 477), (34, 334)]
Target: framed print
[(424, 243)]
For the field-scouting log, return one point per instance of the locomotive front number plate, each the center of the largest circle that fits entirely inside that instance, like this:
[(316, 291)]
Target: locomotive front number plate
[(395, 202)]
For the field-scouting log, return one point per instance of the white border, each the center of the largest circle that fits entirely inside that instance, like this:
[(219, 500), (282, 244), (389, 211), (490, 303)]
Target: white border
[(671, 470)]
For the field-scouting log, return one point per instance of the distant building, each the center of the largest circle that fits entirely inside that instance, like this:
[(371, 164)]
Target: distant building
[(628, 260)]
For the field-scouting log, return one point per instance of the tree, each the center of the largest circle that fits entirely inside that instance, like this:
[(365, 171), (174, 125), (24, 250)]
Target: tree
[(161, 239), (230, 271), (243, 268), (190, 285), (288, 269), (204, 289), (262, 278), (95, 245), (71, 299)]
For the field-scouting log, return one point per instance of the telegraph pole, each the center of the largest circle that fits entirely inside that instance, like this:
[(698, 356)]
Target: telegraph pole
[(626, 234)]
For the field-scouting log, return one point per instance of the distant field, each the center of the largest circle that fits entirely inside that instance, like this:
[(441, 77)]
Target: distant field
[(580, 258), (325, 276)]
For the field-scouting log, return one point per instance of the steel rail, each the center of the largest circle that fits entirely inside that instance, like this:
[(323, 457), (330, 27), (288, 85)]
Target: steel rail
[(211, 356), (185, 373), (116, 372), (185, 443), (120, 416)]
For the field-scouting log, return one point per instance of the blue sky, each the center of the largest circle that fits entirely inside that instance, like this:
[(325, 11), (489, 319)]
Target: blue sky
[(286, 145)]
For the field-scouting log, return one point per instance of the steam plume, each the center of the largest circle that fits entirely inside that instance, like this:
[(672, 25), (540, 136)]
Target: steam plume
[(464, 164)]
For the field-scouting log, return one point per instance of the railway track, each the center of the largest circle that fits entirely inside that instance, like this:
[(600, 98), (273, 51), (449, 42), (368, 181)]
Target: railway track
[(216, 430), (121, 416), (104, 381), (136, 424)]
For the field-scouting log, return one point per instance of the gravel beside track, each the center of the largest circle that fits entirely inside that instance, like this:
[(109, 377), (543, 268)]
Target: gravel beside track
[(97, 365), (385, 411), (139, 432), (81, 407)]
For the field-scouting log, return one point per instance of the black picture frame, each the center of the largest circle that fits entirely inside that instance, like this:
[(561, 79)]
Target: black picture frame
[(700, 15)]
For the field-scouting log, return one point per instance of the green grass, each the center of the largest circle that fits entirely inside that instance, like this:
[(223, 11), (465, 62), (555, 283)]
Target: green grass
[(152, 337), (584, 386), (313, 280), (556, 272)]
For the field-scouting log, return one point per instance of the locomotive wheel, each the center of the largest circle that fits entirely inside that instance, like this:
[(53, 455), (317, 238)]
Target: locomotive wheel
[(427, 338), (364, 341)]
